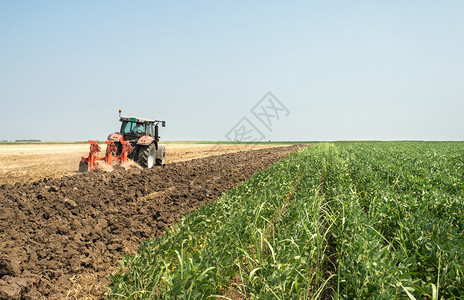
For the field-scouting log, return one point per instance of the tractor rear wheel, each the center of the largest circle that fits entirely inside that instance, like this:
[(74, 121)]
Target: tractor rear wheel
[(161, 155), (146, 157)]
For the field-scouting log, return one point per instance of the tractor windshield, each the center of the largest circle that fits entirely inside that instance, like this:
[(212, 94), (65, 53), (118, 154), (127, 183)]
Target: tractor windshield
[(133, 128)]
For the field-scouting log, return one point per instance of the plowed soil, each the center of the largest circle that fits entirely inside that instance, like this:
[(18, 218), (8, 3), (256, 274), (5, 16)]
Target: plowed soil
[(60, 238)]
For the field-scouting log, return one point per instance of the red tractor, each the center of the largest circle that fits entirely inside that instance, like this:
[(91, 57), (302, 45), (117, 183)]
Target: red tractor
[(137, 141)]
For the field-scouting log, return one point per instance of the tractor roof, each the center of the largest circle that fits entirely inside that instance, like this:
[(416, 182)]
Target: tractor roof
[(136, 119)]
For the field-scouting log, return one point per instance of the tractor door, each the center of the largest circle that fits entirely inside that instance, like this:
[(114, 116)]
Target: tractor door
[(150, 130)]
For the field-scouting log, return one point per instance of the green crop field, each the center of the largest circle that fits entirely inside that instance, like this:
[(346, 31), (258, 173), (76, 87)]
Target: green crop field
[(351, 220)]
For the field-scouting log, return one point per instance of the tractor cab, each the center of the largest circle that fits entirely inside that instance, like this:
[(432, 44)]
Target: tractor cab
[(134, 128)]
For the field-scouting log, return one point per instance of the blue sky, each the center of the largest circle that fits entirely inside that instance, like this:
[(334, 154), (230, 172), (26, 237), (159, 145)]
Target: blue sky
[(383, 70)]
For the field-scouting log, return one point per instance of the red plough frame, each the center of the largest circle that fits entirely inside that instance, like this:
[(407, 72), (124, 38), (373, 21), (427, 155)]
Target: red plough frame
[(110, 156)]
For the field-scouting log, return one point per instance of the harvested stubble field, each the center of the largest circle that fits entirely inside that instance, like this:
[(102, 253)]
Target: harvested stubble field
[(62, 235)]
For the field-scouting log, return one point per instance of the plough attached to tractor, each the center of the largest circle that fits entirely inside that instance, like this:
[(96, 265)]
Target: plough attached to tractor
[(136, 141), (90, 163)]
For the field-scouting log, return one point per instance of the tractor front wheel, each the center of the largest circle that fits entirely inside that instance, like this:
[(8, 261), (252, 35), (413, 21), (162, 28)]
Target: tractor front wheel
[(146, 157)]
